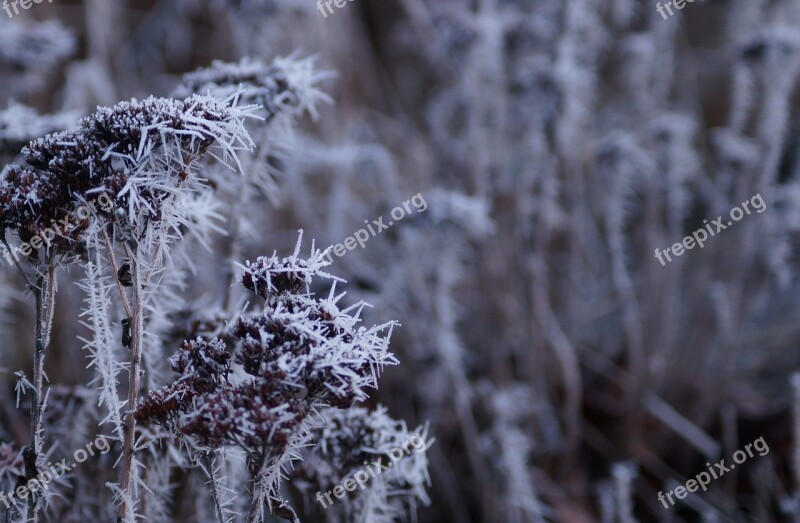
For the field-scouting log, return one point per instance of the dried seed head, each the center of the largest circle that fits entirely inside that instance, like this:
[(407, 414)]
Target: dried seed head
[(269, 276), (298, 354), (136, 153)]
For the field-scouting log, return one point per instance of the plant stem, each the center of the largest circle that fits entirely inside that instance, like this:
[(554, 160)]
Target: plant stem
[(209, 462), (137, 328), (284, 510), (44, 295), (256, 509)]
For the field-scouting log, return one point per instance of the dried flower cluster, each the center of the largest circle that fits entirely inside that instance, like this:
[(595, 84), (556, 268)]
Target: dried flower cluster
[(203, 367), (136, 152), (297, 355), (285, 89)]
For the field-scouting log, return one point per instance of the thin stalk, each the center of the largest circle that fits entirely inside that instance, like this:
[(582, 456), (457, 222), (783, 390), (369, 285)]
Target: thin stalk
[(137, 330), (209, 462), (44, 295), (255, 513)]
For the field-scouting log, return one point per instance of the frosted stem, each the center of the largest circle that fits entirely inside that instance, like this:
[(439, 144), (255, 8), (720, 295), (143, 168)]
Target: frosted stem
[(137, 329), (44, 295)]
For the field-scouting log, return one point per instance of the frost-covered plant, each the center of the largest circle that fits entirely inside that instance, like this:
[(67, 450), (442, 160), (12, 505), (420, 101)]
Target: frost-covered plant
[(361, 440), (138, 153), (143, 155), (259, 385), (574, 122), (586, 132)]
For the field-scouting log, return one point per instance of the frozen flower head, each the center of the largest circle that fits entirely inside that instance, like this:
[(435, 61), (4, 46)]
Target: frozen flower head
[(288, 86), (20, 124), (297, 354), (269, 276), (39, 45), (272, 276), (202, 366), (138, 153), (313, 351), (388, 461), (284, 90)]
